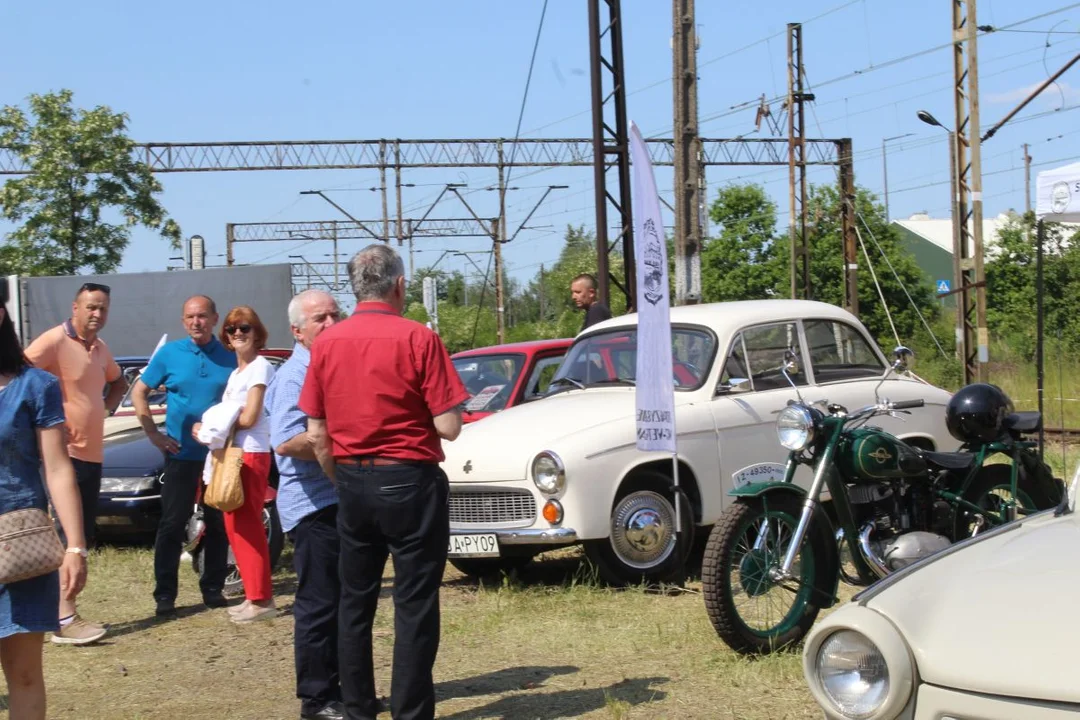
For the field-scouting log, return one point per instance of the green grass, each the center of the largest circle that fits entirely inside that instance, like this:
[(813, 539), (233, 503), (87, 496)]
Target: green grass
[(550, 644)]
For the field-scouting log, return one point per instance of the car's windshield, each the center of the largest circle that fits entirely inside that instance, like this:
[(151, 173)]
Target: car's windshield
[(609, 358), (489, 379)]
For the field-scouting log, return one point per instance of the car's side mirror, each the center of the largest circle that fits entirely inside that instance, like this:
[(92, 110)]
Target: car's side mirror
[(733, 385)]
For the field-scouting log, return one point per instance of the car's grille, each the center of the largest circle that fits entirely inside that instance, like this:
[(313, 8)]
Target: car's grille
[(494, 508)]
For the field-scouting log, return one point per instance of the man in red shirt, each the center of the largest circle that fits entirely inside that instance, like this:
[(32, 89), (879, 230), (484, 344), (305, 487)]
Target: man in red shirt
[(380, 395)]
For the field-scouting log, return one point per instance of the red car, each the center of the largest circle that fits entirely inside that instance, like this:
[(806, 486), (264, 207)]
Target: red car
[(502, 376)]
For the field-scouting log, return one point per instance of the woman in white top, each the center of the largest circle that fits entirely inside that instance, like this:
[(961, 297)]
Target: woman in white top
[(245, 334)]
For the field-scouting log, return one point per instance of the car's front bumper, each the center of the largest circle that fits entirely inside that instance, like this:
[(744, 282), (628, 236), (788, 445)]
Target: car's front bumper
[(934, 703), (524, 536), (140, 512)]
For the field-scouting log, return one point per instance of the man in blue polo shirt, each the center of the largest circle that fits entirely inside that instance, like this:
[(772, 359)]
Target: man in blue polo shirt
[(194, 372)]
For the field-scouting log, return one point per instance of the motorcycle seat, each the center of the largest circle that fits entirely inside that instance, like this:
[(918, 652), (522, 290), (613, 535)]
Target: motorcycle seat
[(1023, 422), (948, 460)]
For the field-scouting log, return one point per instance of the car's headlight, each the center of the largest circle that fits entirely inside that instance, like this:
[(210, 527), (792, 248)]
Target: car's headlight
[(127, 484), (549, 473), (795, 427), (853, 674)]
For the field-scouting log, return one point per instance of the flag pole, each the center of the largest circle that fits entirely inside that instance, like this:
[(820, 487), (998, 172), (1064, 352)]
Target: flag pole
[(681, 577)]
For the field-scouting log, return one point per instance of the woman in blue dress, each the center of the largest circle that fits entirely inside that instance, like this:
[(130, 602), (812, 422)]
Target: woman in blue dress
[(32, 433)]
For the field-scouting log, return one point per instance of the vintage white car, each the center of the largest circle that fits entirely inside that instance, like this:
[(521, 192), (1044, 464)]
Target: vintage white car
[(929, 642), (565, 469)]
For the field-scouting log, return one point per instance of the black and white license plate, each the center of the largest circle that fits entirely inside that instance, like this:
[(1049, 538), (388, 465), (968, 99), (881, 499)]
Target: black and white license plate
[(479, 545)]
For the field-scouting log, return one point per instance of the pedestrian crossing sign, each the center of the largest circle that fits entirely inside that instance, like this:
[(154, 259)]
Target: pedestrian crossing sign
[(942, 287)]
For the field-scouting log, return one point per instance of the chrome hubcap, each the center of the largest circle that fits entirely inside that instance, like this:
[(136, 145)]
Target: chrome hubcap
[(643, 529)]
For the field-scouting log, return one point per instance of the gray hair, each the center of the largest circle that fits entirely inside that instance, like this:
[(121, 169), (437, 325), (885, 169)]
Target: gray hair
[(374, 271), (297, 318)]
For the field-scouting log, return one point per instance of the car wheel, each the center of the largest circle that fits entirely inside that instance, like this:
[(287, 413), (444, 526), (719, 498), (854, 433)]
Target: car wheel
[(641, 545)]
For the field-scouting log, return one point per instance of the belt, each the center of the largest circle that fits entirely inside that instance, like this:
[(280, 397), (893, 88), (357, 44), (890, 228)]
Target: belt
[(375, 461)]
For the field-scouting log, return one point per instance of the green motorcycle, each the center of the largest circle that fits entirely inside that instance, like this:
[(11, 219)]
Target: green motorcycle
[(777, 554)]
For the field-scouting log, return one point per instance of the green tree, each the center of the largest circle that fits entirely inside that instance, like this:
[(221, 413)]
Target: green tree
[(741, 262), (82, 171)]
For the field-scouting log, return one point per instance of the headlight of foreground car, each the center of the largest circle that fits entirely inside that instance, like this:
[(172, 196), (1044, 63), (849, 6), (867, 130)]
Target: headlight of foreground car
[(127, 484), (858, 666), (548, 473), (795, 427), (853, 674)]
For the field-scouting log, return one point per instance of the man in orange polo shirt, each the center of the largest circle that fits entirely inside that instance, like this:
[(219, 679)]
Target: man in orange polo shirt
[(73, 352), (380, 395)]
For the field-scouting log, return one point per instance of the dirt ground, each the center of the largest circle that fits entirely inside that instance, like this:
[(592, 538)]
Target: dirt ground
[(550, 644)]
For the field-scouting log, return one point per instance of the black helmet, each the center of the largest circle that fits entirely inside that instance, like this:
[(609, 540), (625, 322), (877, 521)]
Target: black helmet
[(977, 412)]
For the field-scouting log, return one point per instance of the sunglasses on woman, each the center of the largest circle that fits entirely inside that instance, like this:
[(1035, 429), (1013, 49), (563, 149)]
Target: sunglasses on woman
[(231, 329)]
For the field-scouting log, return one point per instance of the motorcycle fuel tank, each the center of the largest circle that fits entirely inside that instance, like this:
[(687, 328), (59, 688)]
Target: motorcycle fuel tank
[(871, 455)]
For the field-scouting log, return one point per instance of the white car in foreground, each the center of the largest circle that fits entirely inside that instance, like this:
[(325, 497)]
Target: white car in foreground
[(565, 469), (982, 629)]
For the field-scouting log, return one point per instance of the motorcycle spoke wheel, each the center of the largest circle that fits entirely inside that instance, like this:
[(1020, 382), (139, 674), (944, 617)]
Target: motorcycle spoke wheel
[(763, 605), (750, 610)]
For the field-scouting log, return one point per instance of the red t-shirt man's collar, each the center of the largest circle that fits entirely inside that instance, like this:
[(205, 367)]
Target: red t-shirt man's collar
[(374, 306)]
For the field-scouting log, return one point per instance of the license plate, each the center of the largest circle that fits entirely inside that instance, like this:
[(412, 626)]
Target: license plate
[(474, 545)]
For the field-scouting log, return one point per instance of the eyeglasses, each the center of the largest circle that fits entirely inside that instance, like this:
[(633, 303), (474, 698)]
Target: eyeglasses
[(94, 287), (231, 329)]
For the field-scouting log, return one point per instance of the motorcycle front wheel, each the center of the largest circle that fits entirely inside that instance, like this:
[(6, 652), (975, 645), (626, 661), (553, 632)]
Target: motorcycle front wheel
[(751, 612)]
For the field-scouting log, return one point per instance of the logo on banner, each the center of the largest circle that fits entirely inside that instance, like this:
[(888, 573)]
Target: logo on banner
[(1060, 197), (653, 257)]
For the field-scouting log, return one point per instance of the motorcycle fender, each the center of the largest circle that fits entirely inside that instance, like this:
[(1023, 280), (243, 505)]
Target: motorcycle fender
[(753, 490), (821, 536)]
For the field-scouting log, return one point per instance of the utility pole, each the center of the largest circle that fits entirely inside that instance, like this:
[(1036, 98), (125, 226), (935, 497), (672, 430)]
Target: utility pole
[(848, 228), (499, 237), (1027, 180), (543, 315), (800, 247), (972, 296), (688, 181), (611, 148)]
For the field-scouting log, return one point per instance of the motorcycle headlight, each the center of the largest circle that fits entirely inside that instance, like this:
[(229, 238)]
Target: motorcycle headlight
[(853, 674), (549, 474), (795, 427)]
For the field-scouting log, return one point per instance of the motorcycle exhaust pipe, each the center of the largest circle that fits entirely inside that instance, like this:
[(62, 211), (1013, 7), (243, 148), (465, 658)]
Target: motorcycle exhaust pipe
[(876, 564)]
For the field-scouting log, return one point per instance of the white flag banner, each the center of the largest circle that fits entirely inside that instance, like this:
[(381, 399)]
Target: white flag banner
[(655, 388), (1057, 195)]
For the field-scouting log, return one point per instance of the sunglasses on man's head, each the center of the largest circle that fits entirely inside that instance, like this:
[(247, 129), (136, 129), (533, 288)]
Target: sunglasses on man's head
[(94, 287), (231, 329)]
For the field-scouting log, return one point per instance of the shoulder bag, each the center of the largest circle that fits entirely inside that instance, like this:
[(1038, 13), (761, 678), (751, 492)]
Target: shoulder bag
[(225, 491), (29, 545)]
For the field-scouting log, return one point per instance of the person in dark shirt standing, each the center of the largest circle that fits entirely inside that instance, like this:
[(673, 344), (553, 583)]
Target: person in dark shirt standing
[(583, 291), (380, 395)]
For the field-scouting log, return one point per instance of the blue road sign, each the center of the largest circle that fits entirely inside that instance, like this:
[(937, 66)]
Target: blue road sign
[(942, 287)]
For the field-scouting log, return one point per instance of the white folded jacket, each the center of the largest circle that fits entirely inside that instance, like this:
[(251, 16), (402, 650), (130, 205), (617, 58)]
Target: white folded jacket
[(217, 423)]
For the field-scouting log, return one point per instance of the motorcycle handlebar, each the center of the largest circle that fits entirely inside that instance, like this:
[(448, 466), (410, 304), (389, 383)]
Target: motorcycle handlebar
[(908, 404)]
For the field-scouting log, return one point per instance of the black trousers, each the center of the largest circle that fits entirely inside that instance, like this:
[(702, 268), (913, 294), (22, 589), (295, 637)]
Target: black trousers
[(315, 609), (178, 486), (403, 511), (88, 478)]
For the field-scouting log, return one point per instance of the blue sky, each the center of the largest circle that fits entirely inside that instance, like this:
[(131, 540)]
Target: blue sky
[(273, 70)]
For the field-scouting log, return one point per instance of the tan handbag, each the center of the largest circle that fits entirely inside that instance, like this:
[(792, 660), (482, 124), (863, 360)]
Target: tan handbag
[(225, 491), (29, 545)]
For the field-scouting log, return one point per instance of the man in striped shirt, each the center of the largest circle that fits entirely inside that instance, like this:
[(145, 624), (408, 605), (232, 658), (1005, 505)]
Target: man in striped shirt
[(307, 505)]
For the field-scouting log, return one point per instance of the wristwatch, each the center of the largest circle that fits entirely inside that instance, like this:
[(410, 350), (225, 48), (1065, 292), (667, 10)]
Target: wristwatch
[(78, 551)]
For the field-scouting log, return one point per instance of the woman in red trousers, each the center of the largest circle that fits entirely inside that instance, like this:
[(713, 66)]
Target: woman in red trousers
[(245, 334)]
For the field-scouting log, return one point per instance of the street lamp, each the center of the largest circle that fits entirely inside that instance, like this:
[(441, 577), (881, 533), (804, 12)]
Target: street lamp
[(885, 169), (957, 235)]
